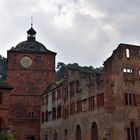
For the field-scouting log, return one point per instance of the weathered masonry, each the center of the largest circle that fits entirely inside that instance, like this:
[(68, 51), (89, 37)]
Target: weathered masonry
[(96, 106), (31, 68)]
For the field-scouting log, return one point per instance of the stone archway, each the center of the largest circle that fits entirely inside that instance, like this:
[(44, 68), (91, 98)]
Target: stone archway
[(2, 125), (31, 138), (78, 133), (94, 131)]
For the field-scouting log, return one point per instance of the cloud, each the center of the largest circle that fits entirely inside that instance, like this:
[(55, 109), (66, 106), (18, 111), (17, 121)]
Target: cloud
[(79, 31)]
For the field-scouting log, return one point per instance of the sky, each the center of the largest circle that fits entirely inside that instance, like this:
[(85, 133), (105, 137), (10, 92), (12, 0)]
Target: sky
[(80, 31)]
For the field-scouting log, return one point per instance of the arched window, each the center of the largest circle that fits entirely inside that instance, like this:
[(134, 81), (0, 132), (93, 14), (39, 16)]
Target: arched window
[(94, 132), (78, 133), (46, 137), (65, 134)]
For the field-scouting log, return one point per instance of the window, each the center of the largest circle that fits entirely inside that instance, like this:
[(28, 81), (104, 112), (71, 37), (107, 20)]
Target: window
[(46, 116), (72, 108), (84, 105), (127, 53), (127, 70), (0, 98), (79, 106), (65, 132), (91, 103), (31, 86), (53, 96), (46, 99), (128, 74), (66, 112), (38, 59), (59, 112), (54, 113), (100, 99), (132, 132), (30, 114), (77, 85), (42, 117), (65, 93), (130, 99), (58, 93), (72, 88)]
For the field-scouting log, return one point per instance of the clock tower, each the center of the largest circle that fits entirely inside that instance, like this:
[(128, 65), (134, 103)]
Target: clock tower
[(31, 68)]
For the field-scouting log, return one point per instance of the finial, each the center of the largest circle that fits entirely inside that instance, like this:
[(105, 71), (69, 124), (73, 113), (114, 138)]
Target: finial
[(31, 21)]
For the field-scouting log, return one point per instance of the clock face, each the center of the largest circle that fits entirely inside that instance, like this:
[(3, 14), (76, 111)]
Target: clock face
[(26, 61)]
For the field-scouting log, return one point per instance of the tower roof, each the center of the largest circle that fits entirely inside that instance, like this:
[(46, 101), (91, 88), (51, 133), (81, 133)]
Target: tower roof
[(31, 31), (30, 45)]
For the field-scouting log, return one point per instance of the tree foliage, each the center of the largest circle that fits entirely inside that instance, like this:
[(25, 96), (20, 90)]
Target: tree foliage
[(3, 68), (62, 69), (6, 136)]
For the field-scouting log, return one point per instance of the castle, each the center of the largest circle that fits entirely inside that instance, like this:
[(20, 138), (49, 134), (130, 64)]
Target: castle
[(83, 106)]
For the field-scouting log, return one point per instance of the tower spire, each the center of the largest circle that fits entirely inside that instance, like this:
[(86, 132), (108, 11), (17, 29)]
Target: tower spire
[(31, 32), (31, 22)]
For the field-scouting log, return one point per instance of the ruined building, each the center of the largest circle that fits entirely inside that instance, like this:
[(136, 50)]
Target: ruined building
[(96, 106), (83, 106)]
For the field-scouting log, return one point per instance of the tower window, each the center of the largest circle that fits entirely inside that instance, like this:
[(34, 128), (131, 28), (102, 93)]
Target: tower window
[(31, 86), (38, 59)]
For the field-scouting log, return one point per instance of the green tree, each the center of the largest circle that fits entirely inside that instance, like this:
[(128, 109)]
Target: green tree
[(6, 136), (62, 69), (3, 68)]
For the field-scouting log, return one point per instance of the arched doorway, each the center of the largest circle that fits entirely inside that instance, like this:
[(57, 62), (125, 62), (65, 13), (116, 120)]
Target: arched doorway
[(55, 135), (78, 133), (94, 131), (0, 125), (31, 138)]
